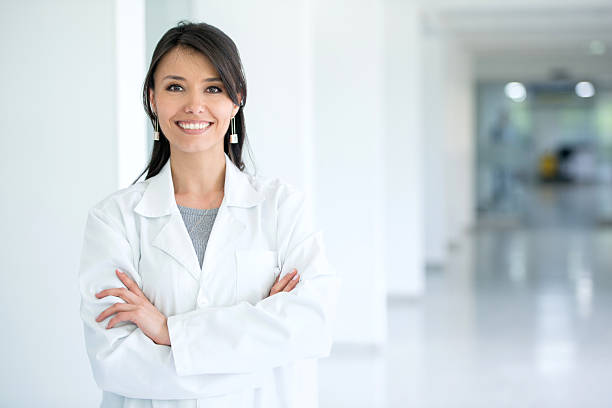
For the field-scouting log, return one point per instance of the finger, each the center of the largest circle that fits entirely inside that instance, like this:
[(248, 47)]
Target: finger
[(272, 289), (121, 317), (117, 307), (122, 293), (279, 285), (292, 284), (286, 279), (128, 282)]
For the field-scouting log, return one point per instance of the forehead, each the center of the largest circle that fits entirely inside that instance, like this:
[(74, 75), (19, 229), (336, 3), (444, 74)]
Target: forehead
[(185, 62)]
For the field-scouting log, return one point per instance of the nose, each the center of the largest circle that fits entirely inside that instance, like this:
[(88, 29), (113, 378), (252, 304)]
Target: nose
[(195, 104)]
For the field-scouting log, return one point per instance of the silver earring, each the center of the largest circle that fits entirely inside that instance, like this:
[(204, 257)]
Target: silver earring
[(233, 136), (156, 133)]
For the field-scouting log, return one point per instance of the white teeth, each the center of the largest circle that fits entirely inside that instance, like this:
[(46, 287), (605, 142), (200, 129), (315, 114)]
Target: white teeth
[(201, 125)]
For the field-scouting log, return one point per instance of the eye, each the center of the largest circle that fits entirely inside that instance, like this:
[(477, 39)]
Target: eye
[(173, 87), (213, 89)]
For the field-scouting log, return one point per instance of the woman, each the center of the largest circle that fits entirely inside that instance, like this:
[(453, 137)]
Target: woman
[(167, 324)]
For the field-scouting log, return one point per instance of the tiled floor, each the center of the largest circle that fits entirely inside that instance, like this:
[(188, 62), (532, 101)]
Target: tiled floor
[(521, 317)]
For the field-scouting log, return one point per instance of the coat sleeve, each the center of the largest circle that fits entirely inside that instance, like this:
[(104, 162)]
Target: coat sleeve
[(123, 359), (279, 329)]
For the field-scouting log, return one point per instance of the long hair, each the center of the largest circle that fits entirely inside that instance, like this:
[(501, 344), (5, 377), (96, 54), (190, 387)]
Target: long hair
[(223, 54)]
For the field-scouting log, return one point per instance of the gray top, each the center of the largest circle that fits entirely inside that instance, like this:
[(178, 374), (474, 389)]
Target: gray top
[(199, 223)]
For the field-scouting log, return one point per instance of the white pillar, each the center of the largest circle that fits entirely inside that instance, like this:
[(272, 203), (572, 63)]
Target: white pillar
[(434, 174), (449, 160), (349, 158), (459, 138), (404, 148), (130, 68)]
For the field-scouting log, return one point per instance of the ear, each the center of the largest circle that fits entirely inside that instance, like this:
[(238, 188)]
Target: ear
[(237, 107), (152, 100)]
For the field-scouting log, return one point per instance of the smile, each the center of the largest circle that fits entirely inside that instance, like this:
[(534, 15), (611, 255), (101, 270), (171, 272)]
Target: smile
[(193, 125)]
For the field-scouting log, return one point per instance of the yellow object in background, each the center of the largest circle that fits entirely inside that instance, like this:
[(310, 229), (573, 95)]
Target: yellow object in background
[(548, 166)]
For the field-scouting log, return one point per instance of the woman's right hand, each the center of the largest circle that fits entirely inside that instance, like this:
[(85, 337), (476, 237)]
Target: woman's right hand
[(286, 284)]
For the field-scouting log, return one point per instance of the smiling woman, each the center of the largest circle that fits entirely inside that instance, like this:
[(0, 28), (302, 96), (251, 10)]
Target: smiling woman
[(195, 68), (202, 285), (190, 100)]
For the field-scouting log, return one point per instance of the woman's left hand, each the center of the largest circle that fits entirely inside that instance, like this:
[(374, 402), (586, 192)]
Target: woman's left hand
[(137, 309)]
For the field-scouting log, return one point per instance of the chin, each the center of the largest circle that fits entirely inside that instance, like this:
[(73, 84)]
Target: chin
[(196, 146)]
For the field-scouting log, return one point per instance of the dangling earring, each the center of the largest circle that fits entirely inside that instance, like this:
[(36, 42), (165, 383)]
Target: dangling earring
[(233, 136), (156, 133)]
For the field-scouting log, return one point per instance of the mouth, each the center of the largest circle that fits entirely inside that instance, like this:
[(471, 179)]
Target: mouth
[(193, 127)]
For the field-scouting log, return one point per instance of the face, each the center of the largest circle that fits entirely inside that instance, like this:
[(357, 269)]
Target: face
[(192, 105)]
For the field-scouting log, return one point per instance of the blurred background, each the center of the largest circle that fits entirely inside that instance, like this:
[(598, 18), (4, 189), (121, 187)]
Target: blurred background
[(458, 154)]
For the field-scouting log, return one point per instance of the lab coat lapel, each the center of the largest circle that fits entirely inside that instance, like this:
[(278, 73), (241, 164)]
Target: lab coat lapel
[(158, 201), (227, 228), (174, 240)]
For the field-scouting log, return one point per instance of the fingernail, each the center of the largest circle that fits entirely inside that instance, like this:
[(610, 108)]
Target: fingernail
[(296, 277)]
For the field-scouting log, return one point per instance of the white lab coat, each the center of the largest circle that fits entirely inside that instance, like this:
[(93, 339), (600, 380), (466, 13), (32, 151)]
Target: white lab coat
[(231, 345)]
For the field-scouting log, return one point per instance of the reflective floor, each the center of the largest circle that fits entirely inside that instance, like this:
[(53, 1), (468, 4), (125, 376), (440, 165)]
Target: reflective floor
[(521, 317)]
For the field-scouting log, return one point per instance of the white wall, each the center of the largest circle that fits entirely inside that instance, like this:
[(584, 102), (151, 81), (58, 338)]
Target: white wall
[(404, 146), (60, 157), (349, 158)]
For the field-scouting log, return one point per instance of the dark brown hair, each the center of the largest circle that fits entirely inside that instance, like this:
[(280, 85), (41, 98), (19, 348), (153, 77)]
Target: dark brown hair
[(223, 54)]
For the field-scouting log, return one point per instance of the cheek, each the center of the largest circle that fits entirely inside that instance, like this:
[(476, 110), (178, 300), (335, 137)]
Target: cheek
[(223, 114), (166, 109)]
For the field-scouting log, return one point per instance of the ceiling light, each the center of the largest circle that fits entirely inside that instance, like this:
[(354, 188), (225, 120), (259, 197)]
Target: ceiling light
[(585, 89), (515, 91)]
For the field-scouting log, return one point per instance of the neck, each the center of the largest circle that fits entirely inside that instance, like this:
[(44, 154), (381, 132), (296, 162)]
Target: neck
[(198, 175)]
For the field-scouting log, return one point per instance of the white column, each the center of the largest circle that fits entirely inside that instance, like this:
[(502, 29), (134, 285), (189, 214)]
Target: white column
[(448, 110), (404, 148), (435, 225), (459, 138), (130, 68), (349, 158)]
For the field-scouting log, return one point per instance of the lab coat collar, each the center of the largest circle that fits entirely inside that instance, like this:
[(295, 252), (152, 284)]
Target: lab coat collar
[(158, 198)]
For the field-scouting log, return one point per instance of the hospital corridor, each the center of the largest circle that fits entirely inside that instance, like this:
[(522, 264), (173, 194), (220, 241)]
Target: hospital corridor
[(437, 172), (519, 318)]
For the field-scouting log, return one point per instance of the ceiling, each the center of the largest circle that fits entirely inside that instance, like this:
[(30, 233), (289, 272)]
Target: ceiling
[(535, 40)]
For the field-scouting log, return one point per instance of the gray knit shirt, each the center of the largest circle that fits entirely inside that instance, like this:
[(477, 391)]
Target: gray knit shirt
[(199, 223)]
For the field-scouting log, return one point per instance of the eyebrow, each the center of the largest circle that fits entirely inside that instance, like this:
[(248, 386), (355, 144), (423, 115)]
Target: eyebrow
[(180, 78)]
